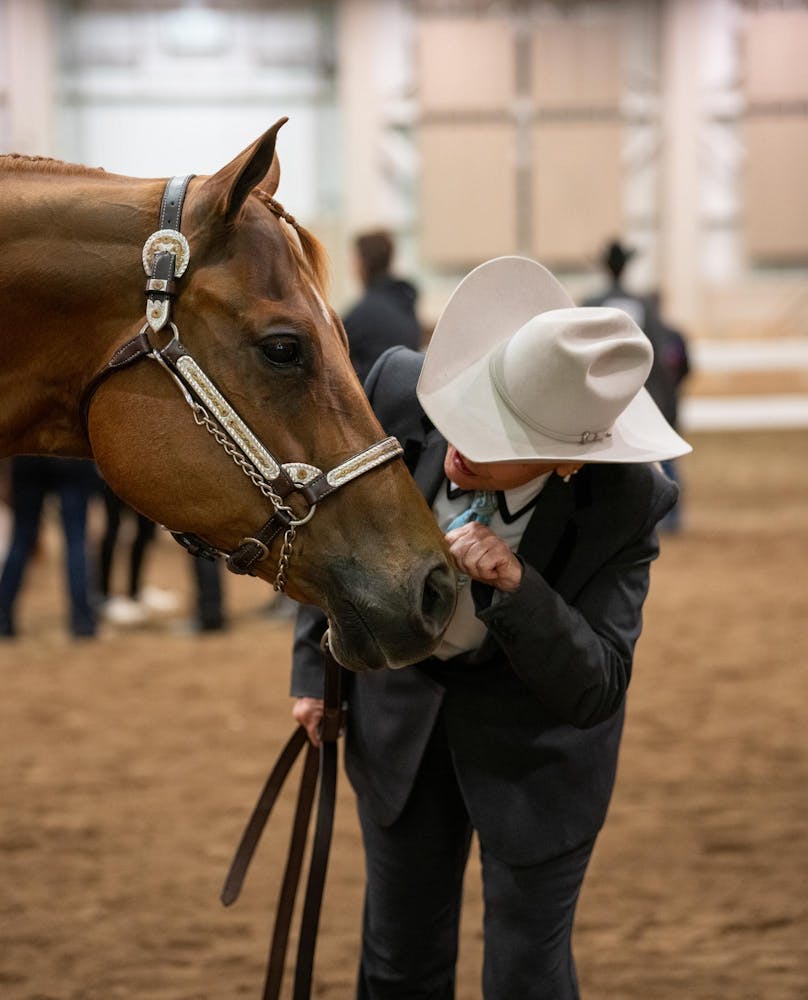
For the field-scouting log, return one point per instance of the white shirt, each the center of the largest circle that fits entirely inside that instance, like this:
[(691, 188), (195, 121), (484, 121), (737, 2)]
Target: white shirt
[(465, 631)]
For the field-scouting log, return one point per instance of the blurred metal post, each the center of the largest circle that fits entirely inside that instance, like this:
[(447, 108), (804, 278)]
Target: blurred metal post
[(29, 41), (681, 34)]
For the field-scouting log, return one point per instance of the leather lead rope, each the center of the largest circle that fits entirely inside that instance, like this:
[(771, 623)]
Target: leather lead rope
[(324, 767)]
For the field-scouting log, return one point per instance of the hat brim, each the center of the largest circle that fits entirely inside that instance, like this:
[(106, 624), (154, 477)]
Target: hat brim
[(457, 393)]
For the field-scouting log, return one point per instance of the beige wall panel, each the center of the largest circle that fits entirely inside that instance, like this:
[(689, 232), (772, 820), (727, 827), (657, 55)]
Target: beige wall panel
[(577, 190), (577, 64), (775, 196), (465, 65), (468, 194), (776, 55)]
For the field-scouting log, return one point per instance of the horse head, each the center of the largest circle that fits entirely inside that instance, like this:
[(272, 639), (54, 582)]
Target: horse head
[(251, 311)]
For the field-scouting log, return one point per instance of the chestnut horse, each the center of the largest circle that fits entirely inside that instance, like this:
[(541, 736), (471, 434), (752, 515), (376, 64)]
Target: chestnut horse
[(266, 354)]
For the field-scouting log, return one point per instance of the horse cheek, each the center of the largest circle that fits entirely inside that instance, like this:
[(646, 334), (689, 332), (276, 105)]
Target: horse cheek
[(153, 456)]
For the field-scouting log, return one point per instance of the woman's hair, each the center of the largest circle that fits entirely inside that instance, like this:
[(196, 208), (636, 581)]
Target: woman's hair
[(375, 251)]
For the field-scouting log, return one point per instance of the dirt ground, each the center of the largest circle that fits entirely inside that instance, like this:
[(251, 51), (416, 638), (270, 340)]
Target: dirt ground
[(128, 765)]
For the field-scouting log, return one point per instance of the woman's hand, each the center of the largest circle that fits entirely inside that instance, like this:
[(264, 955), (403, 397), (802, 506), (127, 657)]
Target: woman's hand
[(308, 712), (483, 556)]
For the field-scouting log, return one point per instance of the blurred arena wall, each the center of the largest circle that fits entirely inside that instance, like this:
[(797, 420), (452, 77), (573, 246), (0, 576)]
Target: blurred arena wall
[(473, 129)]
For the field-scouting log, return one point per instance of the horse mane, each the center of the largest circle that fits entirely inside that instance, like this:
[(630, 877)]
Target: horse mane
[(309, 252), (19, 162)]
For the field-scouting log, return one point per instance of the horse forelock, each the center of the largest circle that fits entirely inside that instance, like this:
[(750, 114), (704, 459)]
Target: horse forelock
[(20, 162), (306, 248)]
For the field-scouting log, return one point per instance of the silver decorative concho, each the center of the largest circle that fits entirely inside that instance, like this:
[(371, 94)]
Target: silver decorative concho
[(167, 241), (158, 311)]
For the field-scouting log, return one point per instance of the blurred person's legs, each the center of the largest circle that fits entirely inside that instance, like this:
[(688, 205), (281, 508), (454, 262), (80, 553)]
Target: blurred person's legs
[(73, 497), (144, 536), (135, 607), (112, 509), (210, 615), (672, 521), (28, 491)]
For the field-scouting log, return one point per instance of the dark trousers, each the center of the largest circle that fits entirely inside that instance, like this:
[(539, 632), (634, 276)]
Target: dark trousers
[(144, 536), (209, 598), (413, 896), (672, 521), (32, 480)]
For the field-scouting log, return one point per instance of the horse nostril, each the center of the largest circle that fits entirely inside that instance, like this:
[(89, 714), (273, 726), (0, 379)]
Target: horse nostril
[(438, 599)]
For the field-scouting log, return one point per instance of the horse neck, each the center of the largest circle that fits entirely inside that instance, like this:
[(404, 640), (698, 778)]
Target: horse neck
[(71, 289)]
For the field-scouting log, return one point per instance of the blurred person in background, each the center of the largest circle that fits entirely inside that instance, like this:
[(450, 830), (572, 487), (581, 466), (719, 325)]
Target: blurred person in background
[(209, 611), (530, 434), (33, 479), (614, 259), (142, 601), (385, 315), (671, 360), (670, 370), (133, 607)]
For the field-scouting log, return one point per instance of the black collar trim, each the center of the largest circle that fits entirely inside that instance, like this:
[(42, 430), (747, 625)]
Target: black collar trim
[(506, 515), (453, 493)]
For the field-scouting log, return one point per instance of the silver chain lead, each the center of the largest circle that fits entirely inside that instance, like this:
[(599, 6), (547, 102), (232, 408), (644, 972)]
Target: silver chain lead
[(201, 417), (283, 561), (203, 420)]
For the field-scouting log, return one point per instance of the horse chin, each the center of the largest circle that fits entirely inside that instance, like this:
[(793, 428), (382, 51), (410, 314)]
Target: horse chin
[(354, 647)]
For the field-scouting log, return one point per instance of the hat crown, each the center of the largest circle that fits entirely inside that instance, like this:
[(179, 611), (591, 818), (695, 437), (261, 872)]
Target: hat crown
[(569, 373), (515, 372)]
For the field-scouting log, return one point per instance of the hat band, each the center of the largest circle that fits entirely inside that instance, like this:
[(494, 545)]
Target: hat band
[(582, 437)]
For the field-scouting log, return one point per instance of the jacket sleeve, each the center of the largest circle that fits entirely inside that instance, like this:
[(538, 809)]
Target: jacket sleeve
[(577, 656), (308, 673)]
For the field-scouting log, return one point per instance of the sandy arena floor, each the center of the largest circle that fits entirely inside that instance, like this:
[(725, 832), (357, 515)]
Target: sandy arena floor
[(129, 764)]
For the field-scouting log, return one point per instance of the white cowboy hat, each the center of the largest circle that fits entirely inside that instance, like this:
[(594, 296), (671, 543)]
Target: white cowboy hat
[(516, 372)]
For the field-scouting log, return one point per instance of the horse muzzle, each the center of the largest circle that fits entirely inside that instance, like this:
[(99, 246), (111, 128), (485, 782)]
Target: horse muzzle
[(390, 623)]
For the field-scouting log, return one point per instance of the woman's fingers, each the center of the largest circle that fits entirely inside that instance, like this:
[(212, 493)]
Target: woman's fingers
[(483, 556)]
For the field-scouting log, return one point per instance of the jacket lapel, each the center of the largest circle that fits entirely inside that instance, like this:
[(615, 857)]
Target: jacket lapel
[(545, 543), (545, 529)]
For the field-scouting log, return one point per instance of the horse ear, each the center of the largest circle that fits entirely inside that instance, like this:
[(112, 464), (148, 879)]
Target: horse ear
[(231, 185), (273, 178)]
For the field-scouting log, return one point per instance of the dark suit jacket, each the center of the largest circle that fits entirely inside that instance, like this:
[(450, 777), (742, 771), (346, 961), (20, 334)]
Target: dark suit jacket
[(534, 715), (383, 318)]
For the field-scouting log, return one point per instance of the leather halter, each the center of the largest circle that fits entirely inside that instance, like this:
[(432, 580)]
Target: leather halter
[(165, 257)]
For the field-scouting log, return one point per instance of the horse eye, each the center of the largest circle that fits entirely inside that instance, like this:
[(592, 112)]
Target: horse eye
[(281, 351)]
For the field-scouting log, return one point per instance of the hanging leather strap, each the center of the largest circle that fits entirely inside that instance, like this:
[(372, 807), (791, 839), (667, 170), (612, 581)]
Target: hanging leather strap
[(331, 726), (291, 876), (329, 734)]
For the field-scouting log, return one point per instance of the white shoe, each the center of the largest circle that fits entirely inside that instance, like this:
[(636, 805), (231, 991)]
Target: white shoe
[(157, 599), (123, 611)]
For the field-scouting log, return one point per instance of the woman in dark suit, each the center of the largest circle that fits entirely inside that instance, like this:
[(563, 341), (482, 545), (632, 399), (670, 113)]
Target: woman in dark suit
[(535, 444)]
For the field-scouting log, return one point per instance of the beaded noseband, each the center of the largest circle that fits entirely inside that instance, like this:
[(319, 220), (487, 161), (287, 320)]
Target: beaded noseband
[(166, 254)]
